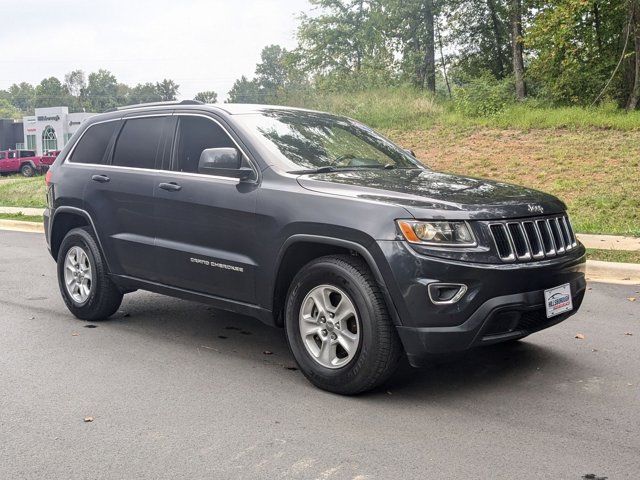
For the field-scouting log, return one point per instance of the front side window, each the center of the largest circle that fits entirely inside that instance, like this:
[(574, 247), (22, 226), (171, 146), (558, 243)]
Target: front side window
[(139, 142), (91, 148), (196, 134), (312, 140)]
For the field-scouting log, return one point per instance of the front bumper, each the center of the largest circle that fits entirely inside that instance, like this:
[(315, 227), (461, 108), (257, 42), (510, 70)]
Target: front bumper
[(502, 302)]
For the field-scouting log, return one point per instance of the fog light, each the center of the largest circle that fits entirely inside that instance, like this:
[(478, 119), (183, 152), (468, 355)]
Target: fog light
[(446, 293)]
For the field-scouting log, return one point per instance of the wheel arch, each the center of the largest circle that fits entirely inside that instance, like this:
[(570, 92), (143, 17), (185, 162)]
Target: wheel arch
[(64, 220), (300, 249)]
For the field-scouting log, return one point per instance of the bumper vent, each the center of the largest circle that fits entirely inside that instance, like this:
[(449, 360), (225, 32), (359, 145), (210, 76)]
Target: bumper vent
[(535, 239)]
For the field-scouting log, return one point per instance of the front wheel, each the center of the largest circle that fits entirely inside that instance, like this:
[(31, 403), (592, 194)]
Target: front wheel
[(84, 283), (27, 170), (338, 327)]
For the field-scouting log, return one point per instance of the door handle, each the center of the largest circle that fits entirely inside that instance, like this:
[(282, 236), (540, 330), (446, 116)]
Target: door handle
[(170, 187), (100, 178)]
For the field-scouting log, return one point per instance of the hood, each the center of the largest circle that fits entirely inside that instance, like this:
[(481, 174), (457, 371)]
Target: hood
[(428, 194)]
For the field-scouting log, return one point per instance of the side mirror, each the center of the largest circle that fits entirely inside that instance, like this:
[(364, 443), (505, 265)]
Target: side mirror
[(224, 162)]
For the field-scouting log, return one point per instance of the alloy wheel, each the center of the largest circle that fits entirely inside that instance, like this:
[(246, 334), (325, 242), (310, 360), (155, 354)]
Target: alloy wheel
[(78, 278), (329, 326)]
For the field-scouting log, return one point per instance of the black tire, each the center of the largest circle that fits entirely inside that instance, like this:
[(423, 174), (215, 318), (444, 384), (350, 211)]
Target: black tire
[(104, 297), (379, 350), (27, 170)]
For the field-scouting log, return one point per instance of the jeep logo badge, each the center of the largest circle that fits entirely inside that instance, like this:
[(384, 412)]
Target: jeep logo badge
[(535, 208)]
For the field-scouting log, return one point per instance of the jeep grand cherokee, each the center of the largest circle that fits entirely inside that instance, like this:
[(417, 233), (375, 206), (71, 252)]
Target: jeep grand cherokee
[(311, 222)]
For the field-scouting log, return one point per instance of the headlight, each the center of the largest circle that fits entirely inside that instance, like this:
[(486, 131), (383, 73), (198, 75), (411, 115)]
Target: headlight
[(443, 234)]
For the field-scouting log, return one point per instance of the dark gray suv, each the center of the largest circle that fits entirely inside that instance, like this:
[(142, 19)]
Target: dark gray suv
[(311, 222)]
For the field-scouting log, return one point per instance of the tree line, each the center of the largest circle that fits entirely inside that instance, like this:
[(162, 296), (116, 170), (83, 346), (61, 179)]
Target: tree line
[(97, 92), (478, 52), (562, 52)]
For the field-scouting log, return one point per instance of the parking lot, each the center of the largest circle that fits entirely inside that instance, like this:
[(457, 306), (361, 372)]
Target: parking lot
[(179, 390)]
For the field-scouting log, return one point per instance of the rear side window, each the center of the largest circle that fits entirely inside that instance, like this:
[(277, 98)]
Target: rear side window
[(94, 143), (27, 153), (139, 142)]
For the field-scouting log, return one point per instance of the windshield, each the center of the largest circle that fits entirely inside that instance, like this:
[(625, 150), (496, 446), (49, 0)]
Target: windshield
[(310, 140)]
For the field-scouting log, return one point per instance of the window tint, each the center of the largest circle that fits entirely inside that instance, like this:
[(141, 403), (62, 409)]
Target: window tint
[(138, 142), (196, 134), (92, 146), (27, 153)]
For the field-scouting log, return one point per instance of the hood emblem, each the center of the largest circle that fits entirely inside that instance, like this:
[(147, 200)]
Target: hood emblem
[(535, 208)]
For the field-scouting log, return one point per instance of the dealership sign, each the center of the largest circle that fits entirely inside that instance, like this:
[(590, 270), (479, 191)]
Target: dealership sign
[(43, 118)]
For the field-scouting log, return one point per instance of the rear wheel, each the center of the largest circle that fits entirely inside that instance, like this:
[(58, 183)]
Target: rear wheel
[(338, 326), (27, 170), (84, 283)]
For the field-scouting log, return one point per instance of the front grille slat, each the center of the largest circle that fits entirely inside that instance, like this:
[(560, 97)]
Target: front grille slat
[(519, 241), (547, 238), (557, 236), (533, 239), (535, 242), (503, 244)]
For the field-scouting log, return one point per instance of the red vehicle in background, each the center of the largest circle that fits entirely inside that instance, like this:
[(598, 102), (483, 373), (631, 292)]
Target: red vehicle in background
[(25, 162)]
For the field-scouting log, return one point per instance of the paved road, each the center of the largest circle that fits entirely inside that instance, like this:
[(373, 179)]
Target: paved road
[(178, 390)]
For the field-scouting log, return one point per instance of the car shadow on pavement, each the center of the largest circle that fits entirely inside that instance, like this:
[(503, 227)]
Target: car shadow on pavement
[(199, 326), (500, 367)]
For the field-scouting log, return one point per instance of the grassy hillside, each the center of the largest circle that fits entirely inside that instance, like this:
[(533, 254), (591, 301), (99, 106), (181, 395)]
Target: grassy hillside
[(596, 172), (407, 109)]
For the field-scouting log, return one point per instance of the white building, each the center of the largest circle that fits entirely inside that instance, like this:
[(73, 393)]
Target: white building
[(51, 128)]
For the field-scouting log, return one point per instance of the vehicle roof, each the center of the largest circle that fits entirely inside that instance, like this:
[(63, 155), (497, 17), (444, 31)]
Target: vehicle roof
[(222, 108)]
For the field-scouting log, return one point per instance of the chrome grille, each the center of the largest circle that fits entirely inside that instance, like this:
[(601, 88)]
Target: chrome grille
[(533, 239)]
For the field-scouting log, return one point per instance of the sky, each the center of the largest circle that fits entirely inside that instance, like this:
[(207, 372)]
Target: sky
[(200, 44)]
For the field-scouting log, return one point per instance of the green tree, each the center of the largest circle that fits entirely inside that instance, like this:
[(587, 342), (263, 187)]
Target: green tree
[(75, 82), (479, 31), (102, 91), (347, 39), (7, 110), (50, 92), (143, 93), (22, 96), (576, 46), (167, 90), (412, 24), (271, 72), (245, 91), (208, 96)]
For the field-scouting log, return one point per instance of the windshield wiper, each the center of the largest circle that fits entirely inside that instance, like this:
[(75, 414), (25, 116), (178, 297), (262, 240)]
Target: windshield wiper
[(346, 168), (324, 169)]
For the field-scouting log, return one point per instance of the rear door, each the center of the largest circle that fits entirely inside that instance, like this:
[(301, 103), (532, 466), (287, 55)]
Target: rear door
[(206, 237), (119, 195)]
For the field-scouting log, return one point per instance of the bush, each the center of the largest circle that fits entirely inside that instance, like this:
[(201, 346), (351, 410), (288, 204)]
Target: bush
[(484, 96)]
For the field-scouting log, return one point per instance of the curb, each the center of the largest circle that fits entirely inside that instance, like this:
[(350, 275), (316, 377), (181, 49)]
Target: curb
[(23, 210), (613, 272), (609, 242), (20, 226)]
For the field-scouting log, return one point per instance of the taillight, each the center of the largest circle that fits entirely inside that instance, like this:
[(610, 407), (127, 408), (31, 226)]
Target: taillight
[(47, 178)]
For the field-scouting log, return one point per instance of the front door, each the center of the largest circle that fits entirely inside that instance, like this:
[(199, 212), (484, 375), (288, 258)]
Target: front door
[(206, 239)]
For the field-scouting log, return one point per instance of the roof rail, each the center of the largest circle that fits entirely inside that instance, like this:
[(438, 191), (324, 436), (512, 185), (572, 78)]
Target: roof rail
[(156, 104)]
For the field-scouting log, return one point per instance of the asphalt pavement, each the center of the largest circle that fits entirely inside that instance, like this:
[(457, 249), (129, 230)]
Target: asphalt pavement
[(179, 390)]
